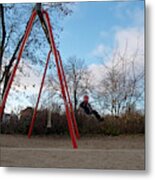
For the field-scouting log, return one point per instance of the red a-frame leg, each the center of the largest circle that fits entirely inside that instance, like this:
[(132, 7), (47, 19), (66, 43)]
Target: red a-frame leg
[(28, 30), (38, 99), (54, 50), (68, 97)]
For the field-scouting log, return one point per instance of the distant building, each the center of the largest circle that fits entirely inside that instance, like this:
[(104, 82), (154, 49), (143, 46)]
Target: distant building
[(8, 117)]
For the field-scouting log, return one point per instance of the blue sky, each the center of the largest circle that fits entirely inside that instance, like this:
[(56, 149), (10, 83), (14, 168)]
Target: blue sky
[(93, 23), (95, 27)]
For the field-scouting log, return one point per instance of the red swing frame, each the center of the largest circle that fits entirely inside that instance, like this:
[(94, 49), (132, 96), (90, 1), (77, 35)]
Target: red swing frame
[(72, 124)]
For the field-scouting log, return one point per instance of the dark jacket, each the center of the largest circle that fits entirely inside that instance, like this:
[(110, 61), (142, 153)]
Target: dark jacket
[(86, 107)]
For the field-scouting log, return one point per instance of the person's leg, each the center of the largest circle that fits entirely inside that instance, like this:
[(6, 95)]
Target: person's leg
[(96, 114)]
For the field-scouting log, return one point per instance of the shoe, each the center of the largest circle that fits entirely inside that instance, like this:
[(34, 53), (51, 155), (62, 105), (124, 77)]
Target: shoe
[(101, 119)]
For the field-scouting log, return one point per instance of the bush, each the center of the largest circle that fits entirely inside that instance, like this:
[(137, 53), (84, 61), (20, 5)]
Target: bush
[(9, 126), (39, 125), (125, 124), (59, 124)]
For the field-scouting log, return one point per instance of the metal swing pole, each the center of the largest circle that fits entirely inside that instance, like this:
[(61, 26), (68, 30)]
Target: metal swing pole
[(62, 71), (68, 96), (39, 95), (28, 29), (54, 50), (46, 27), (46, 30)]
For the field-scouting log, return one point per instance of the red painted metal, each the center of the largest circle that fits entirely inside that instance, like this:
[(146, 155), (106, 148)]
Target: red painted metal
[(63, 84), (68, 96), (54, 50), (1, 112), (38, 99), (32, 18)]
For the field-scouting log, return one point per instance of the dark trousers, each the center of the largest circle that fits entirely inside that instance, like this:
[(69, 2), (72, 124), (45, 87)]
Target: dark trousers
[(96, 114)]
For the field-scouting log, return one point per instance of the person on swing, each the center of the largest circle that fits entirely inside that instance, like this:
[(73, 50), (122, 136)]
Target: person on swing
[(86, 107)]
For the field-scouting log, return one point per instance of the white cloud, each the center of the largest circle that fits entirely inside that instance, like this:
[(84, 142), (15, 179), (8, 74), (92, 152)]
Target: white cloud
[(26, 83), (96, 73), (131, 41), (132, 37), (100, 51), (27, 76), (127, 41)]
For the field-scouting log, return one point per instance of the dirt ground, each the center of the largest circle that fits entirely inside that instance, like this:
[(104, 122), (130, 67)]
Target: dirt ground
[(97, 152)]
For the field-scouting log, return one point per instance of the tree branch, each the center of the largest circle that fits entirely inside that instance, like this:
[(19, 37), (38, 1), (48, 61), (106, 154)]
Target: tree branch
[(3, 34)]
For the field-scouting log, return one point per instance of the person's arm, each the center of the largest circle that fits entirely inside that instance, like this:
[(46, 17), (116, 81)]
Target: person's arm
[(81, 105)]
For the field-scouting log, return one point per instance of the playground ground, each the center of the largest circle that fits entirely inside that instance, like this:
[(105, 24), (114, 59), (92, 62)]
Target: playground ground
[(97, 152)]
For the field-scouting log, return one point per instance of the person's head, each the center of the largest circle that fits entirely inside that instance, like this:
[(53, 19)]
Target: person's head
[(86, 98)]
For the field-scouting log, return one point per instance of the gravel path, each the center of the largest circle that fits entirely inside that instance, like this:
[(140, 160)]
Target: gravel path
[(99, 152)]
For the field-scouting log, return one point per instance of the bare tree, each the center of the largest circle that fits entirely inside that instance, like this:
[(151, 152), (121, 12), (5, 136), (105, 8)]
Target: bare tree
[(122, 86), (78, 81), (77, 78), (3, 33)]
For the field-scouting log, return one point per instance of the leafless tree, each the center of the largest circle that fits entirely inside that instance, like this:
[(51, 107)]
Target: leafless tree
[(78, 81), (122, 87)]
